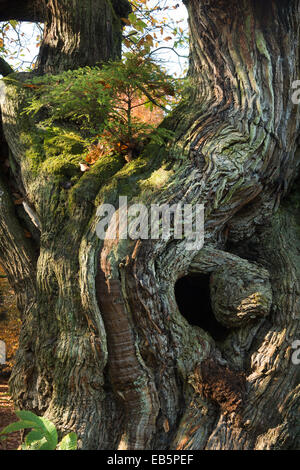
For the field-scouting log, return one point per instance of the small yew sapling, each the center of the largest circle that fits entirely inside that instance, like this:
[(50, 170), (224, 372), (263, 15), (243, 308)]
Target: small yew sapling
[(103, 109)]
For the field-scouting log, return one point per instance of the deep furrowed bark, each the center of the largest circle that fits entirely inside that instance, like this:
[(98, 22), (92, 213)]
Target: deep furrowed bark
[(80, 33), (112, 346)]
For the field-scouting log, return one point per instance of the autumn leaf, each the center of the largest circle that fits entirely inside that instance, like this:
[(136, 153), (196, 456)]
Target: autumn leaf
[(29, 85)]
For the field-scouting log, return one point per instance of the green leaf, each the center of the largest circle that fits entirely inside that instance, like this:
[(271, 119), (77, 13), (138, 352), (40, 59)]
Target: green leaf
[(14, 23), (48, 429), (140, 25), (17, 426), (46, 446), (69, 442), (132, 17), (33, 436), (37, 445)]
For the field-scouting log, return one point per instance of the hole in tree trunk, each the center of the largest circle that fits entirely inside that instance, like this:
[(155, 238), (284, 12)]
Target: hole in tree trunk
[(193, 299)]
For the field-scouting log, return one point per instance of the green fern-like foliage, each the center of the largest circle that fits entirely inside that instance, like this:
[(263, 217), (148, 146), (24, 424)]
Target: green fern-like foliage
[(96, 106)]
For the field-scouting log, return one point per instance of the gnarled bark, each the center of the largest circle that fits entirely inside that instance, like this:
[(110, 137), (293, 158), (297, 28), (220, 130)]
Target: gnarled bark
[(111, 345), (80, 33)]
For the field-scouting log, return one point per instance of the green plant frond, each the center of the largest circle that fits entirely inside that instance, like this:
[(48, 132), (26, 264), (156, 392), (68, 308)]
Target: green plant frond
[(99, 106), (69, 442), (43, 435)]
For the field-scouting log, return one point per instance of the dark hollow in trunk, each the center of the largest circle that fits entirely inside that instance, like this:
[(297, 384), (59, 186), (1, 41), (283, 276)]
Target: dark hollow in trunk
[(105, 349), (192, 295)]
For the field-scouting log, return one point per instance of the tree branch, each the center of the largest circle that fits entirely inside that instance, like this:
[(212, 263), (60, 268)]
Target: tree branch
[(170, 48), (152, 99)]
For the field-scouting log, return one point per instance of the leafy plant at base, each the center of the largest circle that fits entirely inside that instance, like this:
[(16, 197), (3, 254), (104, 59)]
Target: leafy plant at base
[(43, 435), (101, 105)]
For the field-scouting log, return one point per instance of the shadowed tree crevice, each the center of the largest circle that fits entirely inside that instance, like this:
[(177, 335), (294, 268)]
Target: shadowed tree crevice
[(192, 295), (129, 369)]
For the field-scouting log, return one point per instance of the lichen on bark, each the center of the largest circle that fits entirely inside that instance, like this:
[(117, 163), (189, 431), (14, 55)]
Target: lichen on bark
[(104, 311)]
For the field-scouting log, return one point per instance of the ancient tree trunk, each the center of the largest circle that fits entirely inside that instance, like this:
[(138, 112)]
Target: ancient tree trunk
[(81, 32), (111, 346)]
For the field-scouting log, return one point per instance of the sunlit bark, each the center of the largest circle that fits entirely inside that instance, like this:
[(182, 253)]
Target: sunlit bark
[(111, 355)]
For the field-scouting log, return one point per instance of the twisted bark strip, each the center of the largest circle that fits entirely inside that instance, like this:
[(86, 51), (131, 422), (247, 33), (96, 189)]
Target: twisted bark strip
[(130, 379), (235, 151)]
